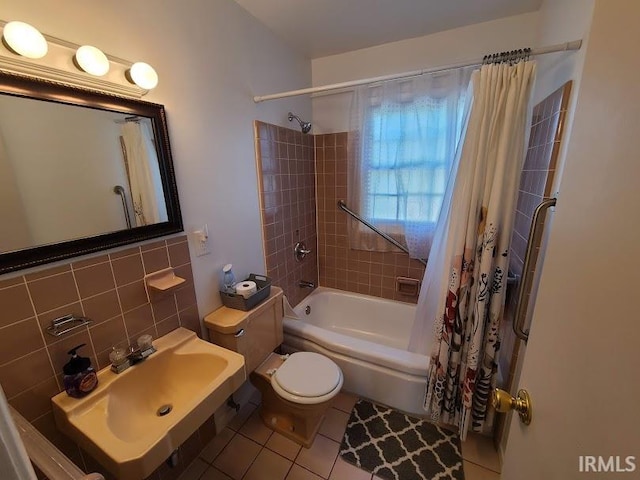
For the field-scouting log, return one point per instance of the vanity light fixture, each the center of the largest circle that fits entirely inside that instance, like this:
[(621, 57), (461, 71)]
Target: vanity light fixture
[(24, 40), (143, 75), (91, 60), (31, 53)]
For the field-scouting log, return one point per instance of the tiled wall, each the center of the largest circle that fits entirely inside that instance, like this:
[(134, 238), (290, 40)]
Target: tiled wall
[(287, 201), (371, 273), (109, 289), (535, 184)]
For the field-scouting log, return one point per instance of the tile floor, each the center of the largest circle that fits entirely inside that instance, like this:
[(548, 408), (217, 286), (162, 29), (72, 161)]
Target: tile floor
[(248, 450)]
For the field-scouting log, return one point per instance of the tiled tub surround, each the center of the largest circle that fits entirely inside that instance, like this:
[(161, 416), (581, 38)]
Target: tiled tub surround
[(370, 273), (285, 159), (109, 289), (536, 183), (291, 166)]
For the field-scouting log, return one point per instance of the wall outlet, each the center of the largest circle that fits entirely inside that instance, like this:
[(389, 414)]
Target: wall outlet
[(200, 241)]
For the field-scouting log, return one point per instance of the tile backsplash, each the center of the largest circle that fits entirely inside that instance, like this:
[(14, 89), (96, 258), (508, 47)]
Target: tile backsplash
[(109, 290)]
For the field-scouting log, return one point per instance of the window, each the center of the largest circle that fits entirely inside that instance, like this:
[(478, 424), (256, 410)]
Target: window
[(407, 153), (405, 135)]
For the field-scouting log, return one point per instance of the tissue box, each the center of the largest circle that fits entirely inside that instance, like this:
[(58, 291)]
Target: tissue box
[(238, 302)]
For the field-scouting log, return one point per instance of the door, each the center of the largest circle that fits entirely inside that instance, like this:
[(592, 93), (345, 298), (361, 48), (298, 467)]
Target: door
[(582, 361)]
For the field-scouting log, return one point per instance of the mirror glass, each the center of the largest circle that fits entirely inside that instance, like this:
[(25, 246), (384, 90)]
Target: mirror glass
[(80, 171)]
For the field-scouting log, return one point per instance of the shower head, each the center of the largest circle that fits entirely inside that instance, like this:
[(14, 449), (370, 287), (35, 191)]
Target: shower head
[(304, 126)]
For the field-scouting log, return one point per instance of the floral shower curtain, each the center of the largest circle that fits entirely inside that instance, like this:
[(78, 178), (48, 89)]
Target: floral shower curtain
[(464, 286)]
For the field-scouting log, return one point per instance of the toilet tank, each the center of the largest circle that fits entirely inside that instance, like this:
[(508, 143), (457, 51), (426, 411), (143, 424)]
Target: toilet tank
[(253, 334)]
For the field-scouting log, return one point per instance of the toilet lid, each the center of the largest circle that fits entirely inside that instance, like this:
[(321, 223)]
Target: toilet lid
[(308, 374)]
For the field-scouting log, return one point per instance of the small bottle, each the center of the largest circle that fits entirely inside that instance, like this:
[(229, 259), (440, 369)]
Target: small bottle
[(229, 279), (79, 376)]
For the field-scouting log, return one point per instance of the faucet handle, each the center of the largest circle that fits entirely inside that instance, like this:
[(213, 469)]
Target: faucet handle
[(117, 356), (144, 342), (300, 251)]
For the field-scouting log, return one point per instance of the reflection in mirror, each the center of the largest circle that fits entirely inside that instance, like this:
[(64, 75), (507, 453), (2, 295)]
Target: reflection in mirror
[(79, 172)]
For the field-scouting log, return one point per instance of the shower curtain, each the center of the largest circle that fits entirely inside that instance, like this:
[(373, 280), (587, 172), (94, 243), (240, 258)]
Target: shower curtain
[(463, 290), (144, 173)]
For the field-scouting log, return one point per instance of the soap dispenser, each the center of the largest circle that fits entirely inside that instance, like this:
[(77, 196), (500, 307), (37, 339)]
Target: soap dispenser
[(79, 376)]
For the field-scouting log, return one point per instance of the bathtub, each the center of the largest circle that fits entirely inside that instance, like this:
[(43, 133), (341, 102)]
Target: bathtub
[(368, 338)]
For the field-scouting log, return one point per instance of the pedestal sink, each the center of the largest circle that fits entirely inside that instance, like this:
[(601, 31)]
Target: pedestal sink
[(134, 420)]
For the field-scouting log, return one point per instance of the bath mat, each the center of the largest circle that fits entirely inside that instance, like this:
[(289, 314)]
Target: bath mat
[(395, 446)]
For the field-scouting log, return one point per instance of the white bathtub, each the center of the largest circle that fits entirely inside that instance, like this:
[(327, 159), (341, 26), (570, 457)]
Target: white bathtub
[(368, 338)]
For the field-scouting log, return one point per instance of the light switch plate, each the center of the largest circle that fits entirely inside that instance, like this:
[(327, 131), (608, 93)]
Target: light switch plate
[(200, 241)]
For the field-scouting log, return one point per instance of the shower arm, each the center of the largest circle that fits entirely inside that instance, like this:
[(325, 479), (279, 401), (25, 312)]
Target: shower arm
[(343, 206)]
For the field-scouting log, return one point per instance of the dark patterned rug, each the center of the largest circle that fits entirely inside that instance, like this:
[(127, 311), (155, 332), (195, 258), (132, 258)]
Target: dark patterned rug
[(395, 446)]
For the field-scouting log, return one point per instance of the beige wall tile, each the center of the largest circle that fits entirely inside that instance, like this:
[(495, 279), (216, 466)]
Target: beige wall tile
[(16, 304), (108, 334), (53, 292), (26, 372), (102, 307), (36, 401), (94, 279), (154, 260), (165, 326), (128, 269), (139, 319), (164, 308), (19, 339), (132, 296)]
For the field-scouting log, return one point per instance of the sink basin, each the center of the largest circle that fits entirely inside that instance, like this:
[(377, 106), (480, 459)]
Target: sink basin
[(134, 420)]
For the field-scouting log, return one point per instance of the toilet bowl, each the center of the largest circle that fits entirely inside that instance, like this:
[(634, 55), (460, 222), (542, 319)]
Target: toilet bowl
[(296, 390)]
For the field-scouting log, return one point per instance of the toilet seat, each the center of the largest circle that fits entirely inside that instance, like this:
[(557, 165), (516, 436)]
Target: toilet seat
[(307, 378)]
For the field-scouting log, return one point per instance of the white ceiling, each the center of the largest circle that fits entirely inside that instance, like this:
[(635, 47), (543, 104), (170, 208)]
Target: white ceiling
[(319, 28)]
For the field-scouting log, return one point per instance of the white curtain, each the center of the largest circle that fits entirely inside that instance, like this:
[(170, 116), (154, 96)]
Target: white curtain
[(462, 294), (144, 173), (402, 140)]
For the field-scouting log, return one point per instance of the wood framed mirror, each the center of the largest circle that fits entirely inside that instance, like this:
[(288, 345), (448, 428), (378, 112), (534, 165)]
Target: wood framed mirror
[(80, 171)]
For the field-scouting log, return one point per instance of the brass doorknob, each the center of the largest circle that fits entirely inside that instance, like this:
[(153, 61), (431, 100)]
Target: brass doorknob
[(503, 402)]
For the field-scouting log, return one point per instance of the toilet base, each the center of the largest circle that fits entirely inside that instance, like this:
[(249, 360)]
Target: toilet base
[(299, 423)]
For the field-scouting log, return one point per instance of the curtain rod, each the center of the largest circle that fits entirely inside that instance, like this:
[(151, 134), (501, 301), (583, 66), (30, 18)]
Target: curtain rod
[(560, 47)]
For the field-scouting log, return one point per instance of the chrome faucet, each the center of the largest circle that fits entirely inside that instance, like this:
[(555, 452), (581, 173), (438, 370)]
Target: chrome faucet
[(122, 359), (305, 284)]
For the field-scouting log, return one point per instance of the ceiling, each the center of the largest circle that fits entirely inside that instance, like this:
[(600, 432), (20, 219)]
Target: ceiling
[(318, 28)]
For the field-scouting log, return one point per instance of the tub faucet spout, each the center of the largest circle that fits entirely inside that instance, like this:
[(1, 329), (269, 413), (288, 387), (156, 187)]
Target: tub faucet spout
[(305, 284)]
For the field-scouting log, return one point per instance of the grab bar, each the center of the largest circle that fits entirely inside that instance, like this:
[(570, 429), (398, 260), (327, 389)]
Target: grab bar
[(343, 206), (120, 191), (521, 313)]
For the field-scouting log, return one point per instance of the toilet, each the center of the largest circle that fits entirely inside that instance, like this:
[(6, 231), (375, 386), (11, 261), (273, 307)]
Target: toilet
[(297, 389)]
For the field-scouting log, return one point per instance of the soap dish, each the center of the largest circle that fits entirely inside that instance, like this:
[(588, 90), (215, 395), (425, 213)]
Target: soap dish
[(163, 280)]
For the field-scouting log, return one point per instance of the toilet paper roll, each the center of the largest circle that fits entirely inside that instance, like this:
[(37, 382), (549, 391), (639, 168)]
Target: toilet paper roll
[(246, 289)]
